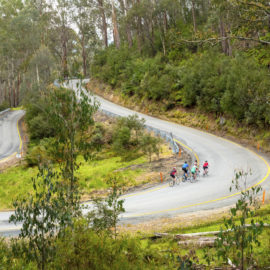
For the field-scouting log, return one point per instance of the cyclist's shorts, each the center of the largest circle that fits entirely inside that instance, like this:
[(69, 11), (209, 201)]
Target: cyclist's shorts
[(193, 172), (205, 167), (173, 176), (184, 169)]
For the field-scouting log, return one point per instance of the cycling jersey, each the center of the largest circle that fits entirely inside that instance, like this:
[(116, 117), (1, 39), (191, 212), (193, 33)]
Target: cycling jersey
[(173, 172), (193, 169), (185, 166), (205, 165)]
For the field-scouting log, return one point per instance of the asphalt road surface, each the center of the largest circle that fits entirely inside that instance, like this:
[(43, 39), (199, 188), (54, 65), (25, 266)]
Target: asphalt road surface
[(211, 192), (9, 137)]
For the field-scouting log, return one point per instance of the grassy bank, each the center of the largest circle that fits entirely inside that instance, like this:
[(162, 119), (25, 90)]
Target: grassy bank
[(17, 181), (261, 253)]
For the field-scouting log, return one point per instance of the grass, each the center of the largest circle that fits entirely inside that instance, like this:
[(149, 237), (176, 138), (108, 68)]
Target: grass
[(13, 183), (16, 181), (169, 245), (91, 174)]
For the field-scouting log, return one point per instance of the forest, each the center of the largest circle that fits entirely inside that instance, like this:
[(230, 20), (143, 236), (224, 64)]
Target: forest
[(207, 56), (213, 55)]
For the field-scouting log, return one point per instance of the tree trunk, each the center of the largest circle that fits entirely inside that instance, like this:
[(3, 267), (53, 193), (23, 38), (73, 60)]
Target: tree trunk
[(18, 89), (14, 93), (64, 52), (129, 36), (140, 38), (116, 36), (224, 43), (84, 57), (104, 23), (165, 21), (194, 16)]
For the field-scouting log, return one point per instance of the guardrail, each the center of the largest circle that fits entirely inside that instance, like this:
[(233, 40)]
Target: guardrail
[(168, 136)]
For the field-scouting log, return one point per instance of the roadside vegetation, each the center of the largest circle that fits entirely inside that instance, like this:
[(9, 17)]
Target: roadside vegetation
[(94, 241), (113, 145), (200, 63)]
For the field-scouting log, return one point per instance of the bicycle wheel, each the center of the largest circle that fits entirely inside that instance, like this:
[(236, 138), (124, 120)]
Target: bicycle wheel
[(192, 179), (177, 181), (171, 183)]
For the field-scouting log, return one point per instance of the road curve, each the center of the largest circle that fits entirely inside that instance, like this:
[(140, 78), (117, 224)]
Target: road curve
[(10, 141), (211, 192)]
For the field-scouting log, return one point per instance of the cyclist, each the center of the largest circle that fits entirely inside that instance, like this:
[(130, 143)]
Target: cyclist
[(194, 171), (173, 173), (197, 168), (185, 169), (205, 167)]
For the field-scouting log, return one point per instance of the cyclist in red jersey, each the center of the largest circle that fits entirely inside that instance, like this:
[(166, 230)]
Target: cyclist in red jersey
[(205, 167)]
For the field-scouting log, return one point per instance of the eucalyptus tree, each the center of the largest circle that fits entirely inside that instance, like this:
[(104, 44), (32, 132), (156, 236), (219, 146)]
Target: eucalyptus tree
[(62, 36), (71, 118), (19, 38), (85, 14)]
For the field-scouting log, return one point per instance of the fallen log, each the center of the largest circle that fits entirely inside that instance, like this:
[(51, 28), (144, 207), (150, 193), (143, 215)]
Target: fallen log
[(194, 235), (201, 242), (199, 234)]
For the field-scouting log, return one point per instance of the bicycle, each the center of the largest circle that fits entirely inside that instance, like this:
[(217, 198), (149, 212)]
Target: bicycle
[(198, 174), (205, 172), (193, 178), (174, 181), (185, 177)]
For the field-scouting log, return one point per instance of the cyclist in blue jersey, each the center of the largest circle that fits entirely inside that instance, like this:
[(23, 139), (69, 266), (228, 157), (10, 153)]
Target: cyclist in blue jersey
[(185, 169)]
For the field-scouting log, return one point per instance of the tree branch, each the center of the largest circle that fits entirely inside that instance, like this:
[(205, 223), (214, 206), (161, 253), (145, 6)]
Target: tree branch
[(264, 8), (212, 40)]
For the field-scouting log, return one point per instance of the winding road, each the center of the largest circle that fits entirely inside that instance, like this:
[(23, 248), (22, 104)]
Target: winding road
[(211, 192), (10, 141)]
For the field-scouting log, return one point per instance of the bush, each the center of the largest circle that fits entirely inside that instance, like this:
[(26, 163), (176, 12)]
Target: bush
[(82, 248), (235, 86), (4, 105)]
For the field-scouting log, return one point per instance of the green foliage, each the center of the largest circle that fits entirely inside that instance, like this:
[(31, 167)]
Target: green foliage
[(129, 139), (83, 248), (42, 215), (4, 105), (150, 145), (71, 119), (126, 136), (42, 153), (36, 119), (235, 86), (12, 255), (237, 242), (106, 214)]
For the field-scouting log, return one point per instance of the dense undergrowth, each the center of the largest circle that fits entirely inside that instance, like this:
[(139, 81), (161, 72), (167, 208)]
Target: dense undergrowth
[(83, 248), (213, 85)]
